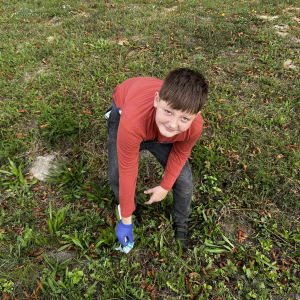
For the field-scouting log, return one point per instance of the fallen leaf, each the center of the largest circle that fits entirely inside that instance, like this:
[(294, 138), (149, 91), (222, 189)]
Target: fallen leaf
[(22, 111), (105, 199), (193, 274), (291, 147), (244, 112), (6, 296), (86, 112), (17, 268), (150, 287), (38, 253), (19, 135), (144, 284), (279, 156)]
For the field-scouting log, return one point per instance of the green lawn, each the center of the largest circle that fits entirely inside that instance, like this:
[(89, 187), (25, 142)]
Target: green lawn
[(59, 63)]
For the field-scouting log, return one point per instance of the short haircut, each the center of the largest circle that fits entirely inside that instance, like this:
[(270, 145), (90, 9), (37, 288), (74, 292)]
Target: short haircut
[(184, 89)]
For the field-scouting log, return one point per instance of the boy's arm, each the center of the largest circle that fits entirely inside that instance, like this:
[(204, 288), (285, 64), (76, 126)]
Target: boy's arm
[(178, 156), (128, 146)]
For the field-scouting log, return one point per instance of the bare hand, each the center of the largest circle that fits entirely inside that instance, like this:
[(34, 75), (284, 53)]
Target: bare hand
[(158, 194)]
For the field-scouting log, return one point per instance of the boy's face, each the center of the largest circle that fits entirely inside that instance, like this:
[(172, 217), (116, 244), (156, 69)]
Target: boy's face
[(169, 121)]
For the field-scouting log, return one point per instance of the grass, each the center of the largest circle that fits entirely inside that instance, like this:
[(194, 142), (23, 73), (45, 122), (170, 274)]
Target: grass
[(60, 61)]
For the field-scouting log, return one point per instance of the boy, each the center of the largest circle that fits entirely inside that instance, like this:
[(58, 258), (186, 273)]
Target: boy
[(164, 118)]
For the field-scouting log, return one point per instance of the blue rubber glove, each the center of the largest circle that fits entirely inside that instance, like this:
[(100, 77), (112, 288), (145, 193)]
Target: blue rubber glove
[(124, 233)]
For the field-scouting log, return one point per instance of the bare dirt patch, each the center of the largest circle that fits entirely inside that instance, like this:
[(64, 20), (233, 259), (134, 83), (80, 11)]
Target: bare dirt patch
[(41, 167), (288, 64), (269, 18), (29, 76)]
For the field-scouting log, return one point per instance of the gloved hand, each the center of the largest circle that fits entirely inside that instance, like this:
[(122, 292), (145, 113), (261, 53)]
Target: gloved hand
[(124, 233)]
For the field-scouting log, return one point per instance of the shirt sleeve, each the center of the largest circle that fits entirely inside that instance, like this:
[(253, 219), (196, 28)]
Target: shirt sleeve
[(128, 145), (177, 158)]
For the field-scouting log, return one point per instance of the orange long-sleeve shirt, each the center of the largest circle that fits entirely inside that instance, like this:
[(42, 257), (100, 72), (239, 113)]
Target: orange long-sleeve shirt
[(135, 98)]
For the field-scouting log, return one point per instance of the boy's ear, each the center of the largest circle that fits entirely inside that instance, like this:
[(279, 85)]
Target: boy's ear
[(199, 113), (156, 99)]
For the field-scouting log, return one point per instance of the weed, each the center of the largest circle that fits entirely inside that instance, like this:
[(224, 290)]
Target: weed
[(56, 219), (69, 180), (14, 179)]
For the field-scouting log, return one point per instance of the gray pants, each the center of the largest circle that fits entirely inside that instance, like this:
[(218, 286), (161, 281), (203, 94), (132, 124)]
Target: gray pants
[(183, 186)]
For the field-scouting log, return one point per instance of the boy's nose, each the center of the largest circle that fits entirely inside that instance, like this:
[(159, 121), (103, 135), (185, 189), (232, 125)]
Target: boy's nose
[(172, 123)]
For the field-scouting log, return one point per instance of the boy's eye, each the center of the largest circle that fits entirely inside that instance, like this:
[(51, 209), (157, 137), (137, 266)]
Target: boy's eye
[(184, 119), (168, 112)]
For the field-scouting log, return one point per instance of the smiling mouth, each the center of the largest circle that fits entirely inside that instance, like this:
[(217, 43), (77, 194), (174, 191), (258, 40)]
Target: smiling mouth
[(169, 129)]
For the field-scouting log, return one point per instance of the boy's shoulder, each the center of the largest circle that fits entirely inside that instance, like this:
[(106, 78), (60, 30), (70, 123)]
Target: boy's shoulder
[(139, 82), (137, 91)]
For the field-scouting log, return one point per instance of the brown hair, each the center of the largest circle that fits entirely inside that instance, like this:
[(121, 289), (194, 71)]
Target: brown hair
[(184, 89)]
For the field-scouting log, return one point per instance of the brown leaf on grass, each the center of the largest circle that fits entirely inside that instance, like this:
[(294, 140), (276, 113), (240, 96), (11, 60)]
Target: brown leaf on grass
[(151, 272), (150, 287), (87, 112), (22, 111), (154, 292), (37, 112), (219, 118), (18, 229), (245, 167), (241, 235), (290, 147), (188, 284), (17, 268), (229, 71), (45, 195), (105, 199), (144, 284), (279, 156), (193, 274), (70, 248), (203, 271), (19, 135), (39, 285), (244, 112), (44, 125), (6, 296), (162, 260), (38, 253), (267, 214), (281, 267), (93, 256), (207, 213), (220, 100)]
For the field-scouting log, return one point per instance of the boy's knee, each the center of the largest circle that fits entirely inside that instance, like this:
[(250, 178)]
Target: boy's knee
[(184, 182)]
